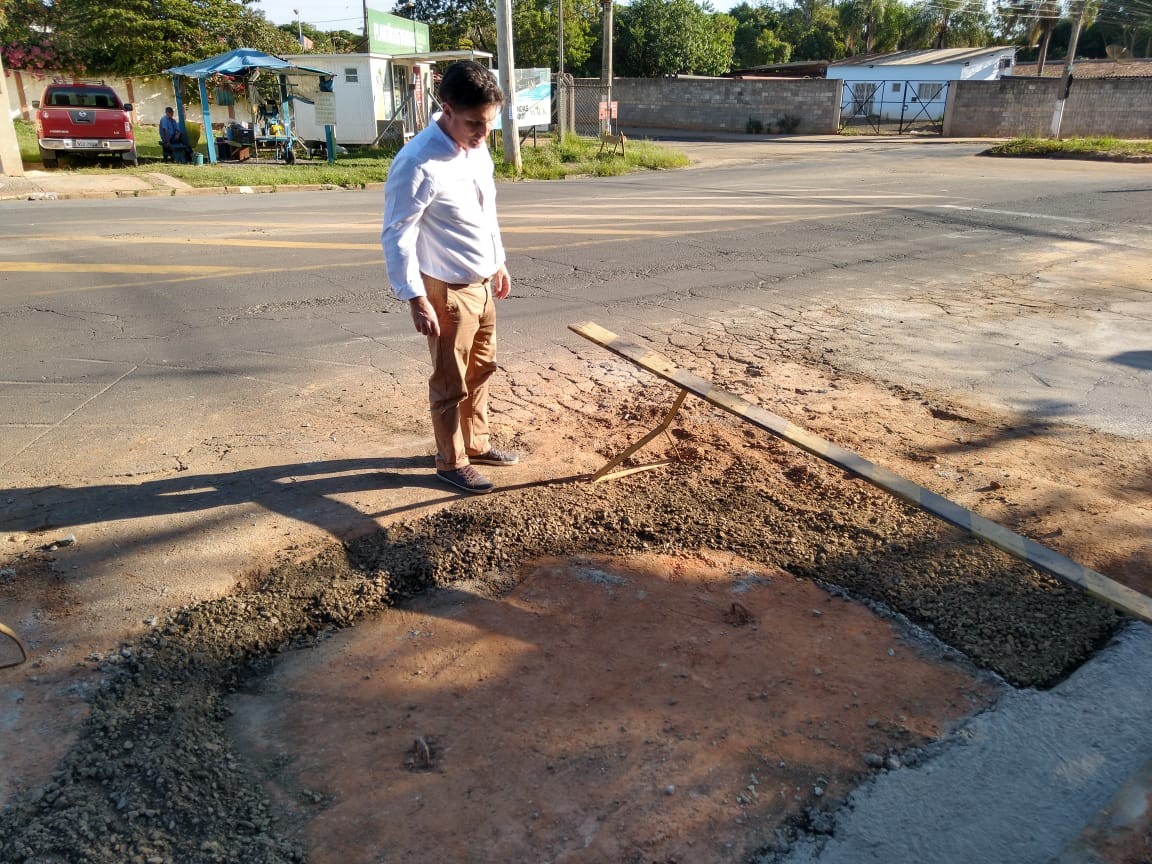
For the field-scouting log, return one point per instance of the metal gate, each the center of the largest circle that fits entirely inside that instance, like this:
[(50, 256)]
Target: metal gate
[(894, 107), (576, 105)]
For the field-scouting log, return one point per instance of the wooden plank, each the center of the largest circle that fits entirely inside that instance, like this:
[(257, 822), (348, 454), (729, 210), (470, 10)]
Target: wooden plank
[(1041, 557), (11, 634)]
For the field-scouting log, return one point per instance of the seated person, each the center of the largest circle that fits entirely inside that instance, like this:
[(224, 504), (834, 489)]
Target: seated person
[(172, 141)]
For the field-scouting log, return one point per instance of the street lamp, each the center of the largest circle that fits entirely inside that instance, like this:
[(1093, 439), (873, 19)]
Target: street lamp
[(299, 28)]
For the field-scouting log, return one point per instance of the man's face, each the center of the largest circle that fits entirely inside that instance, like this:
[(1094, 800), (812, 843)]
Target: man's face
[(468, 127)]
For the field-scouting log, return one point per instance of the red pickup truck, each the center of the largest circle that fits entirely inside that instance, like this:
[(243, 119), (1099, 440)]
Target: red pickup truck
[(83, 120)]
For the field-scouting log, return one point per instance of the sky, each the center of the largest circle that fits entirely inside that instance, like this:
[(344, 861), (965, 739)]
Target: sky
[(322, 14), (346, 14)]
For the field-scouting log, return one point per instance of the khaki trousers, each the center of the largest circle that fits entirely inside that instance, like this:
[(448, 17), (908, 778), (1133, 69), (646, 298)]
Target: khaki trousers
[(463, 359)]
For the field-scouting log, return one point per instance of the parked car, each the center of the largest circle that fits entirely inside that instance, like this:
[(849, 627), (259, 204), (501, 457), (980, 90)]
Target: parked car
[(83, 119)]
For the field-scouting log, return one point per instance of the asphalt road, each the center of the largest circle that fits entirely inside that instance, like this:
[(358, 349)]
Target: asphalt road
[(1023, 283)]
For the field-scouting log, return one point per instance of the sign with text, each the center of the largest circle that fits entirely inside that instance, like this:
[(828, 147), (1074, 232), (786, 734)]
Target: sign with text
[(324, 108), (605, 107), (391, 34), (533, 100)]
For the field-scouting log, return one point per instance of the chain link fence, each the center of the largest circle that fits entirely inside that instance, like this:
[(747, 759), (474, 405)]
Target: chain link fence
[(576, 105)]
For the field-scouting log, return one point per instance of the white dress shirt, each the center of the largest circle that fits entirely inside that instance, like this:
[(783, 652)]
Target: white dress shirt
[(440, 214)]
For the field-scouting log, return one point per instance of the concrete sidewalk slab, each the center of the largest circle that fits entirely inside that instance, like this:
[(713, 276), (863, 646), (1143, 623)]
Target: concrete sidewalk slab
[(1016, 785)]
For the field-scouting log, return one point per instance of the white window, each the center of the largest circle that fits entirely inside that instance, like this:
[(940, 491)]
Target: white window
[(929, 91), (351, 75)]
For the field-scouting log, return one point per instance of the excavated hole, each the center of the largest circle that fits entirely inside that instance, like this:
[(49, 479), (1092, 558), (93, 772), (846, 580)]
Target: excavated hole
[(154, 777)]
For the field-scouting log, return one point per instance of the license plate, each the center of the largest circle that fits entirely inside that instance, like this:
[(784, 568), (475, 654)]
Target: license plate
[(87, 144)]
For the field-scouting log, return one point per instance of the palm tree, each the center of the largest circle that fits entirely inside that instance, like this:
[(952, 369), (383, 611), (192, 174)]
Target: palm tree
[(1035, 22)]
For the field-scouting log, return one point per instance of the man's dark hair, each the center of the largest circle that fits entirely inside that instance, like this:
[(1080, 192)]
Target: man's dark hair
[(468, 85)]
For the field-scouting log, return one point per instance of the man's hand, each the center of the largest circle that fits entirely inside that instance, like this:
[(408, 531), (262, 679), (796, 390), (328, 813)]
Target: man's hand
[(501, 283), (424, 316)]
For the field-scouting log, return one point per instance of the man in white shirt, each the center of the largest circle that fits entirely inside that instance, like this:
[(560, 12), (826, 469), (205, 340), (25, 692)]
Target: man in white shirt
[(445, 257)]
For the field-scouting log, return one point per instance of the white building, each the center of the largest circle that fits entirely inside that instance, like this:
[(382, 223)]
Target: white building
[(374, 94), (913, 85)]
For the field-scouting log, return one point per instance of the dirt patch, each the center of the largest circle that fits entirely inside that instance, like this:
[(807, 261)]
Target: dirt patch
[(652, 708), (156, 776)]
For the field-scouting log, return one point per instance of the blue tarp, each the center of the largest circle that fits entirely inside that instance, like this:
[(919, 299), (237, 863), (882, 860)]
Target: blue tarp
[(243, 62), (240, 60)]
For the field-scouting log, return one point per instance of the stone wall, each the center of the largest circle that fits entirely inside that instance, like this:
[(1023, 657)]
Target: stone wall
[(1010, 107)]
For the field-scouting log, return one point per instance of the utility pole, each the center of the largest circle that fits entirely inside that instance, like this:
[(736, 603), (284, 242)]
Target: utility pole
[(1066, 78), (10, 162), (299, 29), (509, 131), (606, 68), (560, 37)]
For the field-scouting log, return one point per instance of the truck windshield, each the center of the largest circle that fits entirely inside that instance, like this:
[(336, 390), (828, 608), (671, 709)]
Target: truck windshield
[(82, 99)]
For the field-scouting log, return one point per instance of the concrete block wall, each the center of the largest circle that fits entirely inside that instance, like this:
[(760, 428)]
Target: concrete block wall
[(1120, 106), (1011, 107), (725, 105)]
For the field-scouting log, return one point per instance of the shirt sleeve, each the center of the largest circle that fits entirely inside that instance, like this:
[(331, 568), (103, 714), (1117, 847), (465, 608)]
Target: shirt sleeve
[(407, 194), (497, 240)]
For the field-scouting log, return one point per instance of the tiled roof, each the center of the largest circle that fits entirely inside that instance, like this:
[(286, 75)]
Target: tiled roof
[(932, 57), (1139, 68)]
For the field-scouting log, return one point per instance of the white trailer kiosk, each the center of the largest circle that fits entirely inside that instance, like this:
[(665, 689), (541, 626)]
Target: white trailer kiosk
[(387, 92)]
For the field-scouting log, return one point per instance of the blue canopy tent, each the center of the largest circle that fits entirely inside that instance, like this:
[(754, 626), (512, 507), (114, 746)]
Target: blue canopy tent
[(246, 64)]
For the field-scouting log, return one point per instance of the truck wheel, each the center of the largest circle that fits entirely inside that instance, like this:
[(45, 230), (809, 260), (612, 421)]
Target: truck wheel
[(130, 158), (49, 158)]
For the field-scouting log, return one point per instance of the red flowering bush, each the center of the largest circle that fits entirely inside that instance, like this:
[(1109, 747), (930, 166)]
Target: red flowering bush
[(31, 57)]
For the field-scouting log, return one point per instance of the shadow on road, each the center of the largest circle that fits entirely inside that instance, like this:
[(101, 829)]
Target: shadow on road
[(306, 491), (1135, 359)]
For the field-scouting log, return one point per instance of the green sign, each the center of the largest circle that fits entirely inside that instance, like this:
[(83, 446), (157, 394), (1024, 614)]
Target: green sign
[(391, 34)]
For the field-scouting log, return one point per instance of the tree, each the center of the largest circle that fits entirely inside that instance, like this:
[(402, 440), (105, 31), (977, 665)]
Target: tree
[(141, 37), (347, 42), (948, 24), (1124, 24), (534, 32), (465, 24), (871, 26), (27, 28), (454, 25), (321, 41), (814, 32), (669, 37), (755, 42), (1030, 23)]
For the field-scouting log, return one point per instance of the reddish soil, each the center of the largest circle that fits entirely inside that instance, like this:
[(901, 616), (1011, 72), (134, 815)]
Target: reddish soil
[(650, 708)]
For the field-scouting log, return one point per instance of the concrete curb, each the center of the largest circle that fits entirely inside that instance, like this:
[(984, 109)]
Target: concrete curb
[(34, 193)]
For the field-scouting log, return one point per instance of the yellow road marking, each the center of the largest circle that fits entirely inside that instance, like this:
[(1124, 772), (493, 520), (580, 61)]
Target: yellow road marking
[(692, 216), (234, 271), (147, 269), (262, 243), (600, 242)]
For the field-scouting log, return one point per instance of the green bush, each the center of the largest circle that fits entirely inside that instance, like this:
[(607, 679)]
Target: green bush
[(1087, 147), (788, 124)]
